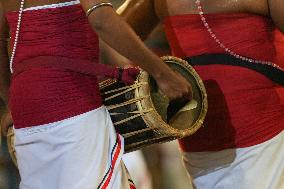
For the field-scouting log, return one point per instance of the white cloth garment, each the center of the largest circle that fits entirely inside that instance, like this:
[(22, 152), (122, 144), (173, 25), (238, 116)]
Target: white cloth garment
[(138, 170), (81, 152), (256, 167)]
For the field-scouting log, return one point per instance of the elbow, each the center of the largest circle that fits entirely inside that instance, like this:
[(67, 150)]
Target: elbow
[(97, 24), (100, 20)]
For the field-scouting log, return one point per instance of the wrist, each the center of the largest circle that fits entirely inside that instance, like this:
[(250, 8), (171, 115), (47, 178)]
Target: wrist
[(161, 72)]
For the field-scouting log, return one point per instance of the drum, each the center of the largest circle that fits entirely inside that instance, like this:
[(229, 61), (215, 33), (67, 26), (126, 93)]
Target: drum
[(140, 112), (143, 115)]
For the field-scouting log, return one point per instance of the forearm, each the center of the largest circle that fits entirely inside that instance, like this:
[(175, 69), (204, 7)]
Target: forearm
[(115, 32), (140, 15), (109, 56), (127, 43)]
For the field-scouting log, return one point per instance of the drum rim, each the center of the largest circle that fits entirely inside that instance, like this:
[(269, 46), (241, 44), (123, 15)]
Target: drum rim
[(144, 76)]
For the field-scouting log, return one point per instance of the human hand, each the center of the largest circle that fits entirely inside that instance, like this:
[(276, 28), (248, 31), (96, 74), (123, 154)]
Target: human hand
[(6, 121), (174, 86)]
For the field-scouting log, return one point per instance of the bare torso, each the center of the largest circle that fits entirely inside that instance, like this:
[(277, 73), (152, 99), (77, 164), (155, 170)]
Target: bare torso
[(176, 7), (150, 12)]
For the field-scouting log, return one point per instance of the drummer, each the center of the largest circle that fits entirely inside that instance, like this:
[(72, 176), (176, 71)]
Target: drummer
[(231, 45), (64, 137)]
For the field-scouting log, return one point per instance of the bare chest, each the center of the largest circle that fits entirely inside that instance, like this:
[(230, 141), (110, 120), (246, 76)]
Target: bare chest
[(176, 7)]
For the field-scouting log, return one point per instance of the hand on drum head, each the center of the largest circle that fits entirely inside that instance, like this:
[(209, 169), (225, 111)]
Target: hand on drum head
[(129, 75), (174, 86), (175, 106)]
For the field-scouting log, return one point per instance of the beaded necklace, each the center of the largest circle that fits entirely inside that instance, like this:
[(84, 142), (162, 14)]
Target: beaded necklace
[(226, 49), (17, 35)]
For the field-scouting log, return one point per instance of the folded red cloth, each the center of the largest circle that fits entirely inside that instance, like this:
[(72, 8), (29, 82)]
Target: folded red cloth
[(244, 106), (42, 91)]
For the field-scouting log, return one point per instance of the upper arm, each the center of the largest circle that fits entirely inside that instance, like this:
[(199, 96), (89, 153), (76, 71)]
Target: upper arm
[(140, 15), (276, 8)]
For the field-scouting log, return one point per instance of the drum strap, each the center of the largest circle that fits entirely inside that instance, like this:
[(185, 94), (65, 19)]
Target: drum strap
[(86, 67)]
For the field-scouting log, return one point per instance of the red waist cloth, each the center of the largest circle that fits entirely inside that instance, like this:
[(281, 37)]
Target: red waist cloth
[(41, 95), (245, 107)]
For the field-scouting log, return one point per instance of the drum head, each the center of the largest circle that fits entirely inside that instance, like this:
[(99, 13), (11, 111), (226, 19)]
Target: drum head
[(189, 116)]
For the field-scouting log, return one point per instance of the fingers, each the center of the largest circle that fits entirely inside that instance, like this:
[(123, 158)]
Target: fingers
[(175, 86), (187, 90), (180, 94)]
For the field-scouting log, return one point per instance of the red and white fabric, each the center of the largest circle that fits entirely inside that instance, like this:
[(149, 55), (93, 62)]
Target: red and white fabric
[(256, 167), (79, 152)]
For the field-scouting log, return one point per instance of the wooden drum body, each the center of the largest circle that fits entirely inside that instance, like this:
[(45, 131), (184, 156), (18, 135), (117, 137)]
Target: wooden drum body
[(139, 111)]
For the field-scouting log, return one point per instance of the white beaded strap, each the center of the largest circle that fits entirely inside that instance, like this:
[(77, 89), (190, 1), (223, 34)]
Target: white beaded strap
[(98, 5), (56, 5), (16, 35), (213, 35)]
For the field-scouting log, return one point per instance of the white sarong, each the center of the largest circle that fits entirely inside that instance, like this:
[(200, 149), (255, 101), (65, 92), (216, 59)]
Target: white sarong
[(256, 167), (81, 152)]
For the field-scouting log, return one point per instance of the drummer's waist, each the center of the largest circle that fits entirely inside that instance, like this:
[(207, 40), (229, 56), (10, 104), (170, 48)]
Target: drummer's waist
[(39, 103), (60, 63)]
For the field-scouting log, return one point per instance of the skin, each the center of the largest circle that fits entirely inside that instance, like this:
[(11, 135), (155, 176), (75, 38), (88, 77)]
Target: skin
[(145, 15), (153, 12), (104, 21)]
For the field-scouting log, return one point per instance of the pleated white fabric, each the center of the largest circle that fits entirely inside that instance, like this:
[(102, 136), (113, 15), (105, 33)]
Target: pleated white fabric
[(82, 152), (256, 167)]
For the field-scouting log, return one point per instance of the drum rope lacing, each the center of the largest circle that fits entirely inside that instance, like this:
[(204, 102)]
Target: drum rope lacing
[(125, 90), (131, 101), (228, 50)]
